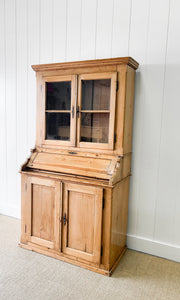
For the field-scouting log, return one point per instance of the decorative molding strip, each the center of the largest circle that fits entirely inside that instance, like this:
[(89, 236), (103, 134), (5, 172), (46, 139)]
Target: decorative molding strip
[(87, 63)]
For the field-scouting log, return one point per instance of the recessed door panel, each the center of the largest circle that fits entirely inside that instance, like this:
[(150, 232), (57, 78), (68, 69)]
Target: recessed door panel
[(43, 206), (82, 221)]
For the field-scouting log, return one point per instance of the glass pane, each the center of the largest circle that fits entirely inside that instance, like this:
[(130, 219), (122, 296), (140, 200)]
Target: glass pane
[(58, 95), (96, 94), (94, 127), (58, 126)]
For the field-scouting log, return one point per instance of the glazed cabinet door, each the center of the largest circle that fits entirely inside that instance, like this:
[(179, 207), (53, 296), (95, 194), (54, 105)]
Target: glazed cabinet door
[(96, 110), (41, 210), (59, 110), (82, 221)]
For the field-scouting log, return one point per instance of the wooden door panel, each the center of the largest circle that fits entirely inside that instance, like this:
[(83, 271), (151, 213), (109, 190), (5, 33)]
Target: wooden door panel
[(82, 231), (45, 209)]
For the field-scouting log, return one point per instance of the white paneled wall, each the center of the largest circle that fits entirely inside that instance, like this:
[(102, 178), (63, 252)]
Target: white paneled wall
[(47, 31)]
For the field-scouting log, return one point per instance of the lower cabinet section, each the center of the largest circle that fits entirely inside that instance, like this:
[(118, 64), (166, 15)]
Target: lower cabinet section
[(68, 221)]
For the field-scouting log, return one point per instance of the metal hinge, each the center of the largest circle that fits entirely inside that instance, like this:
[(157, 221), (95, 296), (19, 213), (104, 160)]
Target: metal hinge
[(115, 138), (41, 87), (25, 228), (25, 187), (117, 85), (101, 250)]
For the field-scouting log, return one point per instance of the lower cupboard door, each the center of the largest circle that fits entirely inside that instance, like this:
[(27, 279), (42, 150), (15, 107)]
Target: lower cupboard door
[(82, 221), (44, 205)]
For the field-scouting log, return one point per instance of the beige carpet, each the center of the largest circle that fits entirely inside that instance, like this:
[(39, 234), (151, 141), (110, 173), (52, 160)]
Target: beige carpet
[(28, 275)]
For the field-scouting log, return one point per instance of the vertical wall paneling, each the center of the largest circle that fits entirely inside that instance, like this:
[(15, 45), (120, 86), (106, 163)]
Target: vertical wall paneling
[(88, 29), (152, 110), (33, 58), (168, 205), (11, 107), (121, 27), (138, 49), (59, 30), (105, 12), (46, 31), (21, 85), (3, 171), (73, 30)]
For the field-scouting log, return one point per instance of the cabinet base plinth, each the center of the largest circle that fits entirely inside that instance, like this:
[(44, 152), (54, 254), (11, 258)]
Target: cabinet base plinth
[(74, 261)]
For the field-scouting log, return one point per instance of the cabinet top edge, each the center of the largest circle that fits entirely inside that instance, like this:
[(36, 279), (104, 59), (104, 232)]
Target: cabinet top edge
[(87, 63)]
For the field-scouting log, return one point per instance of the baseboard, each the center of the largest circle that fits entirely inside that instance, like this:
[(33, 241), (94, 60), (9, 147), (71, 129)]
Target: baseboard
[(10, 211), (156, 248)]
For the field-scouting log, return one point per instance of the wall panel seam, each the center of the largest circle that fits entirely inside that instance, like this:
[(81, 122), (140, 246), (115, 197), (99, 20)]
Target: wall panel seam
[(16, 147), (80, 50), (39, 31), (67, 2), (130, 16), (52, 27), (95, 52), (112, 26), (5, 84)]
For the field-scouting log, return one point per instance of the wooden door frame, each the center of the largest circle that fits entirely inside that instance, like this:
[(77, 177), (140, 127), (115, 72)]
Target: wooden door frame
[(96, 76), (57, 185), (73, 79), (98, 194)]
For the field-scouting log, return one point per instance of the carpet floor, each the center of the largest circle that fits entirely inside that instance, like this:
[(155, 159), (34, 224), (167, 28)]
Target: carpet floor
[(26, 275)]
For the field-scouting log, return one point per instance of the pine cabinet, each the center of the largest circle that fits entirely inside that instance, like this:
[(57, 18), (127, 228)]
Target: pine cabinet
[(75, 184)]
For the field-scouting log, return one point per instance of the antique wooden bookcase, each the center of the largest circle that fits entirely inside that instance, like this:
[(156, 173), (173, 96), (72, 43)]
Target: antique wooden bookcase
[(75, 184)]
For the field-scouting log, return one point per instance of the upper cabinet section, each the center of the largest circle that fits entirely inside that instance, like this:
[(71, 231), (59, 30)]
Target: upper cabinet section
[(82, 104)]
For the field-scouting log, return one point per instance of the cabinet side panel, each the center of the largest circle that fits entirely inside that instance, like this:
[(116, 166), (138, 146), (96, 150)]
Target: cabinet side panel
[(106, 225), (126, 165), (24, 209), (119, 219), (120, 107), (129, 108)]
